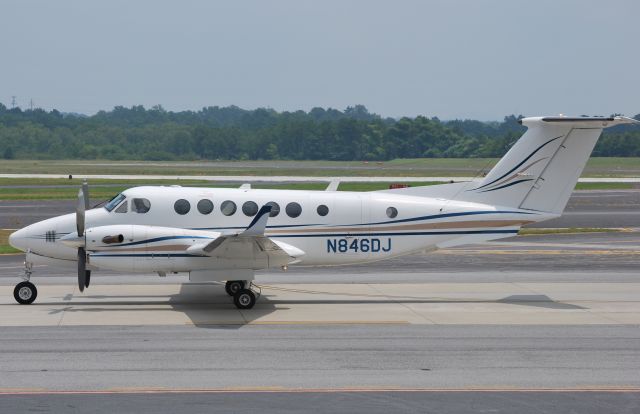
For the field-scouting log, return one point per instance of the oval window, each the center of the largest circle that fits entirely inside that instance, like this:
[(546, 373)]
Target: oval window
[(182, 206), (205, 206), (140, 205), (275, 208), (293, 210), (228, 208), (392, 212), (250, 208), (322, 210)]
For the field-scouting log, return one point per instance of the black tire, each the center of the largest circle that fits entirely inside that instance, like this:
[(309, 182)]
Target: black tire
[(244, 299), (233, 286), (25, 293)]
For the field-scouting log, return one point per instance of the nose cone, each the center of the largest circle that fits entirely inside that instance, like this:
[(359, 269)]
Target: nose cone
[(18, 240)]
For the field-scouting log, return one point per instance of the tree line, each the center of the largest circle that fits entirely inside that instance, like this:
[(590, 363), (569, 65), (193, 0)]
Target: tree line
[(232, 133)]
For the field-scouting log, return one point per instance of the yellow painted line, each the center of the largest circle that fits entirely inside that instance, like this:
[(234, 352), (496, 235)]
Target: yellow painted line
[(300, 322), (355, 322), (541, 252)]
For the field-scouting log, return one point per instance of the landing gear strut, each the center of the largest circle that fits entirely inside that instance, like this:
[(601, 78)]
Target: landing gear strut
[(25, 292)]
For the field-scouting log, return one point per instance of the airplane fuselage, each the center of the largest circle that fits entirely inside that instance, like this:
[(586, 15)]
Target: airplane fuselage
[(331, 228)]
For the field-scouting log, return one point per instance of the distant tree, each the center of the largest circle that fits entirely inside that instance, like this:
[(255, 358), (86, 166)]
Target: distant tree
[(272, 152), (235, 133)]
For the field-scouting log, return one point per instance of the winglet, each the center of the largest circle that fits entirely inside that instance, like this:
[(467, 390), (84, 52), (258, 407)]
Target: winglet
[(259, 223)]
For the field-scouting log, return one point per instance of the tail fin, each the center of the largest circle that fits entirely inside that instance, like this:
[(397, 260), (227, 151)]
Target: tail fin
[(540, 171)]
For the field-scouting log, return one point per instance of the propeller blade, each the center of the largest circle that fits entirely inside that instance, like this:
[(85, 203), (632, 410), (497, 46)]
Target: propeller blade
[(83, 205), (82, 269), (80, 214), (85, 193)]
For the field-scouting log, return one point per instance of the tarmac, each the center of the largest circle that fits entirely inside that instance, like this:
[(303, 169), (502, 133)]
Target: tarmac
[(528, 324)]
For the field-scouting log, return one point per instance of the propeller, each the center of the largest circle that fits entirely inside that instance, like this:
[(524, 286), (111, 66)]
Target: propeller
[(84, 275)]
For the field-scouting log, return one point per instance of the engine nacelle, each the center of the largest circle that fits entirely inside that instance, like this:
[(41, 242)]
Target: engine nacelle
[(142, 238), (135, 248)]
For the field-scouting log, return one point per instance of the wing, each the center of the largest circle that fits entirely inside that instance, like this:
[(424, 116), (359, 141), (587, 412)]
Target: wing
[(251, 245)]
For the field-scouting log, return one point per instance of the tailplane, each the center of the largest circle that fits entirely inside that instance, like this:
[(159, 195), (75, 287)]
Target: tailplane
[(540, 171)]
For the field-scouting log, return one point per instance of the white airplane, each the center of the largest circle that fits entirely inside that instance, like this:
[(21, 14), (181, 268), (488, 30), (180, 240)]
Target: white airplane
[(221, 234)]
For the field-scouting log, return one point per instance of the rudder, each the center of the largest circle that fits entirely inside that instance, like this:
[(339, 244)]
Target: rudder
[(540, 171)]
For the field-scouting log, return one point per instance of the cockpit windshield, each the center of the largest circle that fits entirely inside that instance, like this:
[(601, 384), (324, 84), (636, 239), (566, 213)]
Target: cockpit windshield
[(114, 202)]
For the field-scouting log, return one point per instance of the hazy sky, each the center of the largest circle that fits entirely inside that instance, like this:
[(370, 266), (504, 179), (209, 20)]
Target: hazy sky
[(451, 59)]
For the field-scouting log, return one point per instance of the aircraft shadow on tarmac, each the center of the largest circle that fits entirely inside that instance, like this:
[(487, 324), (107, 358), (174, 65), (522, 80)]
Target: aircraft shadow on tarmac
[(208, 306)]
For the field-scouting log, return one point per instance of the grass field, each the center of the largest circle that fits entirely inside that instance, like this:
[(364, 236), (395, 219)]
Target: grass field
[(419, 167), (106, 191), (4, 243)]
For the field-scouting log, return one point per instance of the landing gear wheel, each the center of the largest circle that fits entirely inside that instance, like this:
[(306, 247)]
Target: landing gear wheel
[(244, 299), (233, 286), (25, 293)]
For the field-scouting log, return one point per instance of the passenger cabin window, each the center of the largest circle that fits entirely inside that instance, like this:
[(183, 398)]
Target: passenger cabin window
[(275, 208), (322, 210), (205, 206), (228, 208), (392, 212), (122, 208), (293, 210), (140, 205), (182, 206), (250, 208), (114, 202)]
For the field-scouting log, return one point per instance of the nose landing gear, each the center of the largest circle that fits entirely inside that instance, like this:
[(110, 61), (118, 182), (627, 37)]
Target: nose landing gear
[(25, 292)]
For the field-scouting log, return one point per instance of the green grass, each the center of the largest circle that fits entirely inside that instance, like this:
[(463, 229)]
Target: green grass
[(570, 230), (108, 191), (77, 182), (5, 248), (51, 189), (416, 167)]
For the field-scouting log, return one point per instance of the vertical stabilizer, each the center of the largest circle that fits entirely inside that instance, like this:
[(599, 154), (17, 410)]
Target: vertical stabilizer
[(540, 171)]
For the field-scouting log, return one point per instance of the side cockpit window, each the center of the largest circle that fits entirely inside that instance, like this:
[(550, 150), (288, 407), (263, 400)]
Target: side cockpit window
[(122, 208), (114, 202), (140, 205)]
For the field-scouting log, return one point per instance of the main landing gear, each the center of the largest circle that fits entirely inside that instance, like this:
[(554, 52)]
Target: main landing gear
[(25, 292), (243, 297)]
